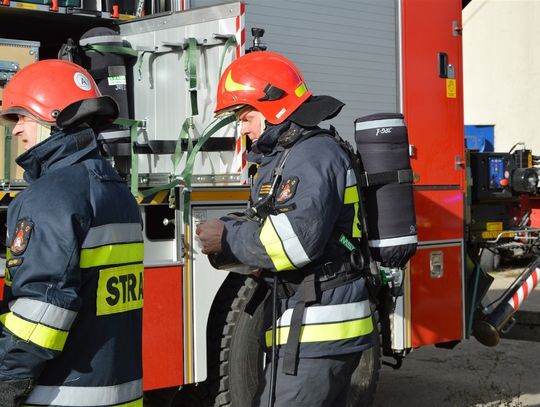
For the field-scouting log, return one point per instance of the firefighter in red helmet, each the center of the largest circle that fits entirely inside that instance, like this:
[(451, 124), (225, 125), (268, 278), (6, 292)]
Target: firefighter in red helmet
[(69, 334), (304, 219)]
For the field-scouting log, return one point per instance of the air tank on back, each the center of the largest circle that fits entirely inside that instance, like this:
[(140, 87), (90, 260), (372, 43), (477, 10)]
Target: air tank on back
[(383, 148)]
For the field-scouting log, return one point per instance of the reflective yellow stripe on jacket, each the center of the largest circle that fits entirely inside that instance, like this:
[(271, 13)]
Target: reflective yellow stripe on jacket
[(112, 244), (39, 322), (282, 244), (117, 250), (112, 254), (36, 333), (351, 197)]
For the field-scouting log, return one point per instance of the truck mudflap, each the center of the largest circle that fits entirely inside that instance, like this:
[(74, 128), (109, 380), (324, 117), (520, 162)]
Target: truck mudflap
[(488, 329)]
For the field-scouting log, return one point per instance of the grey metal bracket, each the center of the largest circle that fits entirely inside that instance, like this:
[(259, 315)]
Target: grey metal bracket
[(7, 70)]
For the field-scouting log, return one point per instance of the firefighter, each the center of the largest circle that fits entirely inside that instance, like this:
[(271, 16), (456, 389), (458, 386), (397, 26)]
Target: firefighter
[(305, 200), (71, 315)]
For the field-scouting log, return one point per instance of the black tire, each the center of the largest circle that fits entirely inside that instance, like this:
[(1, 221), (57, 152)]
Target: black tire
[(236, 358), (490, 260)]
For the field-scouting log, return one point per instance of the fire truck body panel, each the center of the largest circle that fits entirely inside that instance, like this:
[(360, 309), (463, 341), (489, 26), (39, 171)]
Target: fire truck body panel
[(433, 90), (436, 277), (433, 107), (163, 350), (437, 284), (205, 283)]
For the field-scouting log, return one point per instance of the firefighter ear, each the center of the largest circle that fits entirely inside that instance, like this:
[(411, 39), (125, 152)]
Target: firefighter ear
[(96, 112)]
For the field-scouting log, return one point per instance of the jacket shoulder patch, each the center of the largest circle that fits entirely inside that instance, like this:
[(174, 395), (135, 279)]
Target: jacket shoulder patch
[(287, 189), (21, 237)]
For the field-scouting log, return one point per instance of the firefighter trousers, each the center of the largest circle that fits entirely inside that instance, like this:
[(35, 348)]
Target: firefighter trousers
[(320, 382)]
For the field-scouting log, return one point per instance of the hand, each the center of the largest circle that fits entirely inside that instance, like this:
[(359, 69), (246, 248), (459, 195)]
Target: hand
[(210, 233)]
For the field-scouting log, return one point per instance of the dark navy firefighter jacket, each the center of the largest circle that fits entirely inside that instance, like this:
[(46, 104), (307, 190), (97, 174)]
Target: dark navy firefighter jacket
[(317, 200), (71, 316)]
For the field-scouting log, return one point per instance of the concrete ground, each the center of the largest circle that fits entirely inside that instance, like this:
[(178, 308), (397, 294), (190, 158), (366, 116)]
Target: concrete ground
[(470, 375)]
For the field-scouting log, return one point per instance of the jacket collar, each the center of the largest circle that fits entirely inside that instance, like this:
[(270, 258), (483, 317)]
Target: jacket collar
[(267, 143), (60, 150)]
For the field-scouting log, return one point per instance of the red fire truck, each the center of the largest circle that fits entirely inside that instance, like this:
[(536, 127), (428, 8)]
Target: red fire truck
[(387, 56)]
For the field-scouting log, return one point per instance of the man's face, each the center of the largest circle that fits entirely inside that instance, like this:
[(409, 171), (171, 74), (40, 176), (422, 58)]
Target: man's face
[(27, 128), (252, 124)]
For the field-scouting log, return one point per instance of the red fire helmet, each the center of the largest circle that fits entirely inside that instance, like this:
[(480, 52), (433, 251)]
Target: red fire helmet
[(266, 81), (44, 88)]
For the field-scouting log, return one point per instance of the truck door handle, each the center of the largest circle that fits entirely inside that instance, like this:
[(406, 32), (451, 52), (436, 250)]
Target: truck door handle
[(443, 64)]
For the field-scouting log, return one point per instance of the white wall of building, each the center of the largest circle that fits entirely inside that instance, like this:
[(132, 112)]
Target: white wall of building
[(501, 61)]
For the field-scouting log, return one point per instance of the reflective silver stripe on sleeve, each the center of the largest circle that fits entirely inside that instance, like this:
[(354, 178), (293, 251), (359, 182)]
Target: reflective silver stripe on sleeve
[(43, 313), (395, 241), (376, 124), (291, 244), (351, 178), (323, 314), (113, 233), (85, 396)]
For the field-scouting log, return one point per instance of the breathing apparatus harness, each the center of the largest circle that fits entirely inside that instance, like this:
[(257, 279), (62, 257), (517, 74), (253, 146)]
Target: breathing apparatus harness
[(315, 278)]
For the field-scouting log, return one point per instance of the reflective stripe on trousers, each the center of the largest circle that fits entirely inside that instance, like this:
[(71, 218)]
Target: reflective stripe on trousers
[(121, 395), (326, 323)]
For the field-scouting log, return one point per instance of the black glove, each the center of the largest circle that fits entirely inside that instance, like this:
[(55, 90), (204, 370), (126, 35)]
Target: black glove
[(14, 392)]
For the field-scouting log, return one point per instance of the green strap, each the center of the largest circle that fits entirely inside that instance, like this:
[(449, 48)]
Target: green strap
[(177, 156), (133, 127), (191, 72), (184, 134), (119, 50), (209, 131), (229, 43), (111, 49), (7, 153), (188, 170)]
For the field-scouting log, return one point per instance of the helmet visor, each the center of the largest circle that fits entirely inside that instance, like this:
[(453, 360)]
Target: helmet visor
[(221, 114), (10, 117)]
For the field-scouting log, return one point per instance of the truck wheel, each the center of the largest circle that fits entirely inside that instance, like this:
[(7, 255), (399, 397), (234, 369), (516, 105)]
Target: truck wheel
[(490, 260), (236, 359)]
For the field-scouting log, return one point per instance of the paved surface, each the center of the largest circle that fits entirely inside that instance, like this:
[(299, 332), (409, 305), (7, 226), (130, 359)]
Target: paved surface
[(470, 375)]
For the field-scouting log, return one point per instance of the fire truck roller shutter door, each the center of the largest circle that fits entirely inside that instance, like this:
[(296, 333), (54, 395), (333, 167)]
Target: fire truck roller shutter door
[(383, 148)]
